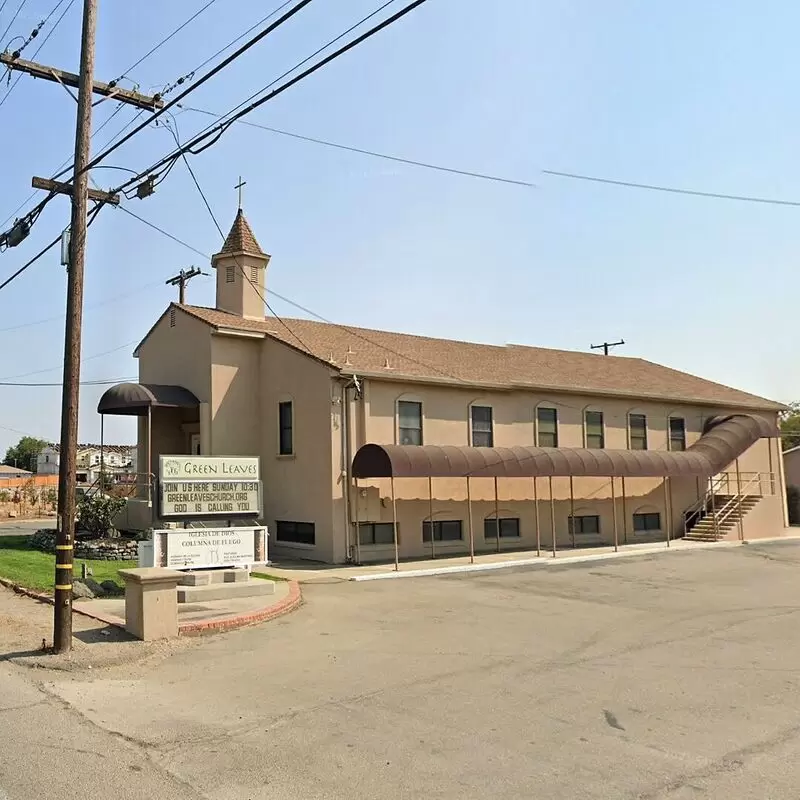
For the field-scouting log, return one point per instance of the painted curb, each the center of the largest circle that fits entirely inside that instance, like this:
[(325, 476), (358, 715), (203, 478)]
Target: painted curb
[(288, 604), (548, 561)]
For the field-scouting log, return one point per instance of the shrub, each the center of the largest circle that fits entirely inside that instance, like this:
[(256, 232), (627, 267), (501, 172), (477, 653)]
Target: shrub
[(96, 514)]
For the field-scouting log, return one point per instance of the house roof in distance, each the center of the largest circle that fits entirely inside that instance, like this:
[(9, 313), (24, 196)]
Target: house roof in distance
[(402, 356)]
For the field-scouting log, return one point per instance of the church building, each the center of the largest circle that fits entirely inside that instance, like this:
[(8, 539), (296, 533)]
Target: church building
[(379, 446)]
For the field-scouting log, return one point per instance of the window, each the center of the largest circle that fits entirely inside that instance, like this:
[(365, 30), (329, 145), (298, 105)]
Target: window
[(586, 524), (230, 275), (375, 533), (172, 318), (482, 428), (509, 528), (677, 433), (645, 523), (254, 274), (446, 530), (595, 438), (637, 426), (546, 427), (296, 532), (409, 416), (285, 434)]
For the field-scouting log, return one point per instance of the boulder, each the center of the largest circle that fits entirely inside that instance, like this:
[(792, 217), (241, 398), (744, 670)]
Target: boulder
[(81, 591), (111, 587), (94, 587)]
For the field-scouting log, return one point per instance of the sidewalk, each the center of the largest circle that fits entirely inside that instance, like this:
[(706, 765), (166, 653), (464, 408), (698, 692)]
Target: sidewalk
[(307, 572)]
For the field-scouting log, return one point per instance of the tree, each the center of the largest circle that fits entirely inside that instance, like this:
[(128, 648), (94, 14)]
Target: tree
[(25, 453), (790, 426)]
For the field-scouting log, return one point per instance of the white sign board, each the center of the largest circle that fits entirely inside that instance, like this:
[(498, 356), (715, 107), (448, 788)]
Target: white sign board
[(210, 498), (208, 468), (209, 547)]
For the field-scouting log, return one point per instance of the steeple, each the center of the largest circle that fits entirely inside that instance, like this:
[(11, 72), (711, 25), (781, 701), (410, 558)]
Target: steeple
[(241, 268)]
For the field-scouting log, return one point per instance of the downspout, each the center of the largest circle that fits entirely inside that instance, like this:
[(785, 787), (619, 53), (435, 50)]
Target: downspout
[(345, 469)]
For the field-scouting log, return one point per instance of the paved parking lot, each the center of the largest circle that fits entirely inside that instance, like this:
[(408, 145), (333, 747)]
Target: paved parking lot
[(674, 676)]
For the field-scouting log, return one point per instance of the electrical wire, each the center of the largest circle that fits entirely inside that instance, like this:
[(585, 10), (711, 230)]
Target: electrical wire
[(160, 230), (13, 19), (38, 49), (61, 366), (374, 153), (164, 41), (223, 126), (98, 382)]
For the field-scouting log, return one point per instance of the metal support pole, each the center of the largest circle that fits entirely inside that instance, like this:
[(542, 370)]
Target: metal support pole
[(572, 512), (739, 501), (496, 516), (552, 515), (102, 454), (430, 514), (668, 508), (149, 455), (394, 528), (713, 509), (614, 515), (536, 515), (471, 532), (358, 522), (65, 537), (624, 513)]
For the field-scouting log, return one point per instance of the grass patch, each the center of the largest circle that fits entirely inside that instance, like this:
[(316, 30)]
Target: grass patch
[(34, 569), (267, 577)]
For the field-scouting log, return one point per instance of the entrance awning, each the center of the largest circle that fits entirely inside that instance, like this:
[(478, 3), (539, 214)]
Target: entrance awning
[(724, 439), (134, 399)]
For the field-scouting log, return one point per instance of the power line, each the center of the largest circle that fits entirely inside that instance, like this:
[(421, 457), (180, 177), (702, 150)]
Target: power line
[(99, 382), (61, 366), (374, 153), (160, 230), (166, 39), (223, 126), (672, 189), (252, 42), (13, 19)]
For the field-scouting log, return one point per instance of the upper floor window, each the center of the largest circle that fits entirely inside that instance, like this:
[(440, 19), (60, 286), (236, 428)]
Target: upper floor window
[(677, 433), (595, 436), (637, 427), (482, 427), (409, 417), (546, 427), (285, 428)]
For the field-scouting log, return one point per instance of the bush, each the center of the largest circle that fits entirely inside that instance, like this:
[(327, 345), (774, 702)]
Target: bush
[(96, 514), (793, 504), (5, 496)]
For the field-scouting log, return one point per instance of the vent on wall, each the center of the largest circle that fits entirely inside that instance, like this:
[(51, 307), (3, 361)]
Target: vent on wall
[(254, 274), (172, 318), (229, 275)]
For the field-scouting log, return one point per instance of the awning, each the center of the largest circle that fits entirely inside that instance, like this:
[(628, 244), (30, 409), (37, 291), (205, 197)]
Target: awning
[(724, 439), (133, 399)]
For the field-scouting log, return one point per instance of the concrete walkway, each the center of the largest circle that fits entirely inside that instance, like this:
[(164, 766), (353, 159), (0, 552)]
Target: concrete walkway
[(307, 572)]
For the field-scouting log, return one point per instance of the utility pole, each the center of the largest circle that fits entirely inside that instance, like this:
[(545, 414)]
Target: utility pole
[(79, 189), (606, 346), (65, 537), (181, 279)]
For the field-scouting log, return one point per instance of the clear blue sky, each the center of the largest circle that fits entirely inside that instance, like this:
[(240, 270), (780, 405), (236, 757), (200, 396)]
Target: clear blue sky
[(697, 95)]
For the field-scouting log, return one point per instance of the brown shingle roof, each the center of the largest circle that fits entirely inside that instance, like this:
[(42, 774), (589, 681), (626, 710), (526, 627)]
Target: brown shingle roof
[(404, 356), (241, 238)]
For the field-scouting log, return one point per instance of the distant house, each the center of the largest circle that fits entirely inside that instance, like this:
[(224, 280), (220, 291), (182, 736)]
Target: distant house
[(7, 472), (117, 460), (791, 466)]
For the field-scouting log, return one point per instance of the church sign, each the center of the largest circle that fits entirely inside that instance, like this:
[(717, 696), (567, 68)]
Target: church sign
[(209, 486)]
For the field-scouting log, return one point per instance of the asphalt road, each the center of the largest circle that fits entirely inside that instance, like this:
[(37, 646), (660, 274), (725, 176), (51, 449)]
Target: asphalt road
[(17, 527), (667, 677)]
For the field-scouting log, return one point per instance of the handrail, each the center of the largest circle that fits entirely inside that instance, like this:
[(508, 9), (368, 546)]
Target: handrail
[(725, 511)]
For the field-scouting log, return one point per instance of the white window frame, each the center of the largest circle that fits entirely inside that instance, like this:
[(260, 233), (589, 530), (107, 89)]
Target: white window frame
[(636, 412), (479, 404), (550, 406), (604, 432), (669, 432), (409, 398)]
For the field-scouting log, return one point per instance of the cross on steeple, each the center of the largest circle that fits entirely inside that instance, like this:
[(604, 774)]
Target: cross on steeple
[(239, 187)]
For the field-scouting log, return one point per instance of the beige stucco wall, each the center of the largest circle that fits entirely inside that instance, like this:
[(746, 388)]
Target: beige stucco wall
[(791, 467)]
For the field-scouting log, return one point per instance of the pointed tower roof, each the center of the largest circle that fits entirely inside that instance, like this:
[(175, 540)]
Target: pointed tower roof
[(241, 239)]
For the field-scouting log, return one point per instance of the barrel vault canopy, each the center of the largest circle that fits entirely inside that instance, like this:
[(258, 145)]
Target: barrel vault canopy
[(134, 399), (724, 439)]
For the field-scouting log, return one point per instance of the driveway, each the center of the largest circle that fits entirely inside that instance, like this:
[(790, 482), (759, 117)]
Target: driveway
[(17, 527), (673, 676)]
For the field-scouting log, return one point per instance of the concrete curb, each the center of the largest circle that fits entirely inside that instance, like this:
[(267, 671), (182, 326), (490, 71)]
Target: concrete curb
[(548, 561), (289, 603)]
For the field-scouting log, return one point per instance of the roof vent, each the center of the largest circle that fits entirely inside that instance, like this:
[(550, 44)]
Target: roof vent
[(347, 361), (331, 359), (386, 364)]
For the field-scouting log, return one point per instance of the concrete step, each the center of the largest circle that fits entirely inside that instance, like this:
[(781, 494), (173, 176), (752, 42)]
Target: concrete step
[(206, 577), (225, 591)]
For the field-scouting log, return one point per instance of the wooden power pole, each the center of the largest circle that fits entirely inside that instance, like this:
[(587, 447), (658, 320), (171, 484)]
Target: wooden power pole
[(606, 346), (65, 537), (181, 279)]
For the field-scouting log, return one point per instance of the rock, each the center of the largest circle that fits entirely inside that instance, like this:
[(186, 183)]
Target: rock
[(94, 587), (12, 514), (110, 587), (81, 591)]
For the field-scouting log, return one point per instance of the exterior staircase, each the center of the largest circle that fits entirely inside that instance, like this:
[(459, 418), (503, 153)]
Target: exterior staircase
[(717, 518)]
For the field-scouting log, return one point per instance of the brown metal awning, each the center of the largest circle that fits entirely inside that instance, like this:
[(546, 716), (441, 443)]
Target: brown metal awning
[(724, 439), (133, 399)]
